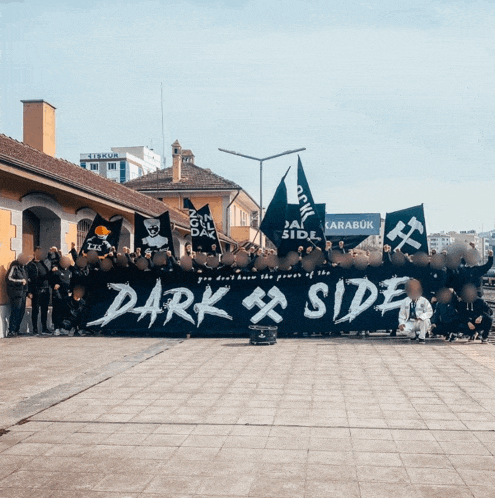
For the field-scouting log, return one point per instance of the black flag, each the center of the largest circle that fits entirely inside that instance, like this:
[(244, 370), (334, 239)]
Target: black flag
[(153, 234), (273, 222), (102, 235), (406, 230), (310, 219), (203, 231)]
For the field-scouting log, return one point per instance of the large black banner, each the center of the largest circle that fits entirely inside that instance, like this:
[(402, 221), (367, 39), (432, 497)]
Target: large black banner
[(153, 234), (405, 230), (324, 300), (102, 235)]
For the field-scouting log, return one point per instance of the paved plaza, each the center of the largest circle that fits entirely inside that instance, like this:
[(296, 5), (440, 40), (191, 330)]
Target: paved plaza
[(214, 418)]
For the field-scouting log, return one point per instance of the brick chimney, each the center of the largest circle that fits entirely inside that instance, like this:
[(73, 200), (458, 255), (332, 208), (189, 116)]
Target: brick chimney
[(177, 162), (39, 125)]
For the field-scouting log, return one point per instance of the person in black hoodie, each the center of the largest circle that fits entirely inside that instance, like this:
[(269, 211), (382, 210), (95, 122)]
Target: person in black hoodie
[(17, 287), (73, 313), (473, 275), (445, 320), (475, 315), (60, 280), (39, 291)]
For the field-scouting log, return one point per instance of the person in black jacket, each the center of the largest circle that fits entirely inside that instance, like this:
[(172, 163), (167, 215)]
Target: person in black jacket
[(445, 320), (475, 315), (39, 291), (73, 313), (73, 252), (17, 287), (473, 275), (60, 280)]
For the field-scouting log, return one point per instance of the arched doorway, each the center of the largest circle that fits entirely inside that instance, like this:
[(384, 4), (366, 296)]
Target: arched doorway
[(30, 231), (40, 227), (83, 227)]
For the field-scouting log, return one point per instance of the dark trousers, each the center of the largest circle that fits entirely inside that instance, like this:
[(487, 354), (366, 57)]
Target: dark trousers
[(17, 310), (40, 302), (58, 311), (445, 328), (482, 328)]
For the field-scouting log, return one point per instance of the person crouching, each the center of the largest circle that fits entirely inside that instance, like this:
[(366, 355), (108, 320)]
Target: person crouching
[(415, 312), (475, 314), (73, 316), (445, 320)]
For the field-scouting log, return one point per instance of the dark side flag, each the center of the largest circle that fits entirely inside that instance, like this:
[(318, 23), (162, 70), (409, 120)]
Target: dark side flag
[(311, 220), (296, 234), (102, 236), (273, 222), (153, 234), (405, 230), (203, 231)]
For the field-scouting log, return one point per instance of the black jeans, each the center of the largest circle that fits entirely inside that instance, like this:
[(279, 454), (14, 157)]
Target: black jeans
[(482, 328), (445, 328), (17, 309), (40, 302)]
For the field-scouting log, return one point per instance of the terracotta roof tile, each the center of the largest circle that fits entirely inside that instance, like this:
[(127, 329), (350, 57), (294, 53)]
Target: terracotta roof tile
[(193, 178), (28, 158)]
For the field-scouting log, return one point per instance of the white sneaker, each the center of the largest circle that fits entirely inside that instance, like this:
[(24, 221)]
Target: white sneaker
[(57, 332), (71, 333), (64, 332)]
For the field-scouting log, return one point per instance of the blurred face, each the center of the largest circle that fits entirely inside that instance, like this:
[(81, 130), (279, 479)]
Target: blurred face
[(469, 293), (23, 259), (38, 254), (300, 249), (65, 262), (328, 245), (341, 244), (444, 295), (78, 292), (414, 290), (214, 247)]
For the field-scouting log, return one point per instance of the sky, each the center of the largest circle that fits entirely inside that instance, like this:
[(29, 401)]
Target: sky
[(393, 101)]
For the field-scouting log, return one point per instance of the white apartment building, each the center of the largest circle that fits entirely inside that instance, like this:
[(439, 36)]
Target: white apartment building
[(123, 163), (441, 241)]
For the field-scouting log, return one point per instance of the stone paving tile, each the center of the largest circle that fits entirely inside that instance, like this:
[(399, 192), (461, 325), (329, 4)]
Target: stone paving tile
[(201, 419)]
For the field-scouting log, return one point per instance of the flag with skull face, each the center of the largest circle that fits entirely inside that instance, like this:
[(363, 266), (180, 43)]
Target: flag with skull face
[(102, 236), (153, 234), (405, 230)]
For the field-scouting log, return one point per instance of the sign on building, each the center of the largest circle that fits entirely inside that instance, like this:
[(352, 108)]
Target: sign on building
[(352, 224)]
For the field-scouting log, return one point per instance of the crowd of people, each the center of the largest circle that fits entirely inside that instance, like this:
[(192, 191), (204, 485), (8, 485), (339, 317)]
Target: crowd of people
[(448, 302)]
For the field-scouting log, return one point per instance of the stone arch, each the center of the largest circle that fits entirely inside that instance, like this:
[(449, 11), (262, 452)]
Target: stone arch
[(43, 222)]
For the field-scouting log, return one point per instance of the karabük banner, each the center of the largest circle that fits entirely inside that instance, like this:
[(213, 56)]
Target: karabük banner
[(352, 224), (405, 230), (203, 231), (153, 234), (102, 236), (323, 300)]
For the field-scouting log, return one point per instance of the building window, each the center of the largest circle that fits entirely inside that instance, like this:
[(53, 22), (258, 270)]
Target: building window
[(122, 171), (94, 166), (112, 166), (176, 151), (83, 165), (83, 227), (185, 202)]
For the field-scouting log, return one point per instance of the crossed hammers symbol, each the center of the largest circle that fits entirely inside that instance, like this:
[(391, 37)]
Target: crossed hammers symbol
[(406, 238)]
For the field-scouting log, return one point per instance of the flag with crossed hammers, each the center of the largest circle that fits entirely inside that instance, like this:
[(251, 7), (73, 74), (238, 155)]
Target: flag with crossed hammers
[(406, 230)]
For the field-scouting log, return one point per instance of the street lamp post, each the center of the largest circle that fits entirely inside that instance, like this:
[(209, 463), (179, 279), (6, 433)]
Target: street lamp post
[(261, 174)]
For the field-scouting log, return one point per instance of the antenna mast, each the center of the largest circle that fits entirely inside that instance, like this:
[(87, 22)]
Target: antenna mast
[(164, 160)]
